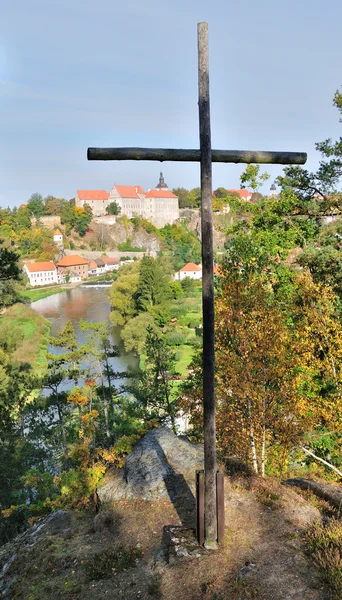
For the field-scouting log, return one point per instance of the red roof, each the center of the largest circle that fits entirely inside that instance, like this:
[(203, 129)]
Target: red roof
[(191, 267), (129, 191), (40, 266), (93, 194), (245, 194), (92, 264), (57, 232), (110, 261), (160, 194), (72, 261)]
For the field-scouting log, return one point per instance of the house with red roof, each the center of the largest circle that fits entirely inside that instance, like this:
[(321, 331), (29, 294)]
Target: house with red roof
[(111, 264), (243, 194), (41, 273), (73, 264), (57, 237), (161, 207), (189, 270), (96, 199)]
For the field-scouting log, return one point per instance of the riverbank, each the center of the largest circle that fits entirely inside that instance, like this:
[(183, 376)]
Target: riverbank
[(33, 332), (38, 294)]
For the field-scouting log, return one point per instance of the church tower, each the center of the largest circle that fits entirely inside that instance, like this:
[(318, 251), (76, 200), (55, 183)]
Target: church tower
[(273, 190), (161, 184)]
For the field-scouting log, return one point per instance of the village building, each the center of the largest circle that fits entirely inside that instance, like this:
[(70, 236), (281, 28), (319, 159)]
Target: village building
[(160, 206), (92, 268), (96, 199), (73, 264), (243, 194), (111, 264), (58, 237), (101, 266), (41, 273), (189, 270)]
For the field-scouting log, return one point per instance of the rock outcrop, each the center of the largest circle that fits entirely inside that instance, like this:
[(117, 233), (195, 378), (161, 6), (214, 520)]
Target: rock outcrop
[(161, 465)]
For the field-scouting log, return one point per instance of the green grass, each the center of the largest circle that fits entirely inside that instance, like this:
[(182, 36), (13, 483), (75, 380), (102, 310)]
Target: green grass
[(34, 295), (33, 331), (183, 362)]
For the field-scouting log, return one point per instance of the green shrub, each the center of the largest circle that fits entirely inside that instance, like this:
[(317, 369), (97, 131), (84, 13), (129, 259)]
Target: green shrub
[(177, 311), (194, 322), (103, 565), (175, 338), (72, 245), (127, 247)]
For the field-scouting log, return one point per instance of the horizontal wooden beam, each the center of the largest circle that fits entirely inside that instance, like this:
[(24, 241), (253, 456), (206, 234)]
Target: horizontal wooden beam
[(186, 155)]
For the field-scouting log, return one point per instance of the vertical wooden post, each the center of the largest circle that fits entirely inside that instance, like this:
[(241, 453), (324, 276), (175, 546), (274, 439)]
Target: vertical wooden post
[(207, 291), (200, 507)]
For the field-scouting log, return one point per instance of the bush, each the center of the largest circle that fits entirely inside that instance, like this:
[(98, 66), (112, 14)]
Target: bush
[(188, 286), (176, 338), (72, 245), (193, 322), (177, 311), (127, 247)]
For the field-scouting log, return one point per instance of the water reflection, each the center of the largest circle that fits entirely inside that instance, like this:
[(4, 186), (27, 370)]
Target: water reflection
[(90, 304)]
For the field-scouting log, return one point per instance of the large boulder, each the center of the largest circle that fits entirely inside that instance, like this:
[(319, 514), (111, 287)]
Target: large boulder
[(161, 465)]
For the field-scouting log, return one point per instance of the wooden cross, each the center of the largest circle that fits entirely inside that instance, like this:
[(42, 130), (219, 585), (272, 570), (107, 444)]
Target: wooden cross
[(206, 156)]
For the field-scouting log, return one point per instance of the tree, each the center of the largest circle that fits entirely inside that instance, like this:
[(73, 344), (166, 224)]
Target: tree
[(64, 366), (321, 185), (100, 348), (250, 177), (35, 205), (122, 294), (153, 286), (83, 216), (113, 208), (10, 276), (135, 331), (54, 206), (156, 386)]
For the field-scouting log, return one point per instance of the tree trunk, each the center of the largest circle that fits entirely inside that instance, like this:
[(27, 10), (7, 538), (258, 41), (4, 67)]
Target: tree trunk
[(105, 408), (111, 403), (263, 441), (252, 438), (263, 450), (61, 424)]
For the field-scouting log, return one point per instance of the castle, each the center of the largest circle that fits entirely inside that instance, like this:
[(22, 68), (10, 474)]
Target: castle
[(160, 206)]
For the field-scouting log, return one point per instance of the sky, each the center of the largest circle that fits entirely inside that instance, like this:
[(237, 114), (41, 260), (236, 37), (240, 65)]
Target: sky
[(79, 73)]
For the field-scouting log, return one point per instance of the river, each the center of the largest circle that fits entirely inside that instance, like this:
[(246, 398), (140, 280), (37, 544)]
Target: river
[(90, 304)]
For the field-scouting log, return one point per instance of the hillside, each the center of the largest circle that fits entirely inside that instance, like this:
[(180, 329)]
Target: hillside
[(124, 551)]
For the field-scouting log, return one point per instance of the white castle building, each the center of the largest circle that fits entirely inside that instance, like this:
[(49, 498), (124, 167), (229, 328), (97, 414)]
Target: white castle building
[(160, 206)]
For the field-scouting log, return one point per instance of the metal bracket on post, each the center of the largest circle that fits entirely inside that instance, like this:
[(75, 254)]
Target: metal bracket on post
[(200, 507), (200, 531), (220, 506)]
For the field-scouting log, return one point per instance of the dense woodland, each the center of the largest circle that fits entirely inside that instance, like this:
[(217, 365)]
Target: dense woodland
[(278, 346)]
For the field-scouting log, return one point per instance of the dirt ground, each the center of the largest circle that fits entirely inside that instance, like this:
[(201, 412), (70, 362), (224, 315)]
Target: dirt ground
[(263, 556)]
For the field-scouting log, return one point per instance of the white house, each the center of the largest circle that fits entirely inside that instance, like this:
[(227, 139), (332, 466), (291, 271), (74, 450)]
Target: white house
[(58, 237), (189, 270), (111, 264), (41, 273), (93, 268)]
